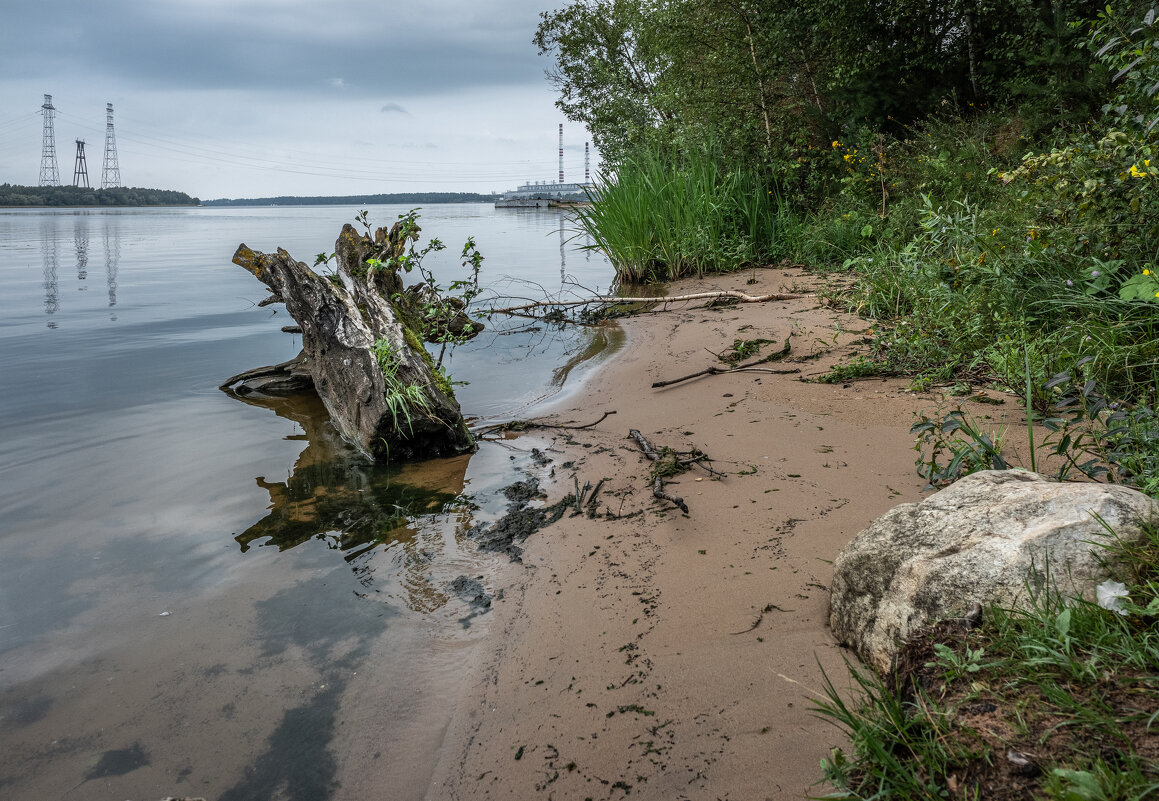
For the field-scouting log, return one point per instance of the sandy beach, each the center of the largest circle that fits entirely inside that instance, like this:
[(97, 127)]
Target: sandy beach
[(670, 656)]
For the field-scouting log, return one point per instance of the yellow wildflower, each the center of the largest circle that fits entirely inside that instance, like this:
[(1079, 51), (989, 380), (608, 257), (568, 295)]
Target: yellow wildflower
[(1146, 272)]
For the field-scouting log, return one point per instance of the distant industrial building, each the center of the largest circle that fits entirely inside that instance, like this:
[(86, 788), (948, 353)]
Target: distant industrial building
[(542, 190), (545, 193)]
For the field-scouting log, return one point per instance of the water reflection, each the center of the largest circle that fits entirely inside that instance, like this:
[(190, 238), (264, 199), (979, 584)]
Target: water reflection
[(80, 239), (606, 337), (122, 483), (112, 257), (48, 252), (336, 495)]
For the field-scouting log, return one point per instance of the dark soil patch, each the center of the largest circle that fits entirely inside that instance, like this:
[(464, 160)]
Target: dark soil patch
[(521, 520), (472, 591), (118, 762)]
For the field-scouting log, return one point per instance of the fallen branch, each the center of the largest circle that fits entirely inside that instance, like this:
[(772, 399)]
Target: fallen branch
[(524, 425), (718, 370), (752, 367), (658, 491), (657, 479), (610, 300), (699, 462)]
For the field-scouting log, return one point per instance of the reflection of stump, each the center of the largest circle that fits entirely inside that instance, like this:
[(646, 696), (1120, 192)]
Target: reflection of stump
[(366, 363), (336, 494)]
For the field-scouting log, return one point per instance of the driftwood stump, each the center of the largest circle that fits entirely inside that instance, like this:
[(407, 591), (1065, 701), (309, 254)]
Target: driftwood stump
[(362, 348)]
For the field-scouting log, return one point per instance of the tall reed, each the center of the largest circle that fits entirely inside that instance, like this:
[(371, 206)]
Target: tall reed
[(663, 216)]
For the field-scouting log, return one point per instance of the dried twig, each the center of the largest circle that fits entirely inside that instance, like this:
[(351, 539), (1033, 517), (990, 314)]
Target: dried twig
[(524, 425), (714, 370), (657, 480), (753, 367), (761, 617)]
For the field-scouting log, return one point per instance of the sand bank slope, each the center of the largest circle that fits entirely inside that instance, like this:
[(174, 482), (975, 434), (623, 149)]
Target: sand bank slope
[(671, 656)]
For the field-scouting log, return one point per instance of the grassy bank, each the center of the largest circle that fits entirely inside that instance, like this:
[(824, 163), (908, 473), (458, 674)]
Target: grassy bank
[(981, 251), (1058, 702), (987, 246), (667, 215)]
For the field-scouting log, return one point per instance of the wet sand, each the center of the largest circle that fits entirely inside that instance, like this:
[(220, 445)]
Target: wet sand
[(675, 656)]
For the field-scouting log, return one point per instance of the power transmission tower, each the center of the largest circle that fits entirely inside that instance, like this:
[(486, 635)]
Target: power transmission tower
[(49, 174), (81, 171), (111, 171)]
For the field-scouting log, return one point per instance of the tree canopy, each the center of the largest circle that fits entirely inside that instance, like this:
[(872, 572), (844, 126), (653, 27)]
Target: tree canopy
[(766, 80), (15, 195)]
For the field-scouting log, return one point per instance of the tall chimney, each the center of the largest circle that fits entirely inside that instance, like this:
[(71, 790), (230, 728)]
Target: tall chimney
[(587, 175), (561, 152)]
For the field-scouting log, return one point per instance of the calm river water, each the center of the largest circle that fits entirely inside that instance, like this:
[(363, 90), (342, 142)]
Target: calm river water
[(204, 597)]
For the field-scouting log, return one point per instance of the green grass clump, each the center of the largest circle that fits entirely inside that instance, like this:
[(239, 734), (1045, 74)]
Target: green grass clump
[(403, 400), (1060, 701), (666, 216)]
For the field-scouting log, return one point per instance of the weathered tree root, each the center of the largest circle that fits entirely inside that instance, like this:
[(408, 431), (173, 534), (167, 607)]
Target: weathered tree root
[(286, 378), (657, 480), (362, 350)]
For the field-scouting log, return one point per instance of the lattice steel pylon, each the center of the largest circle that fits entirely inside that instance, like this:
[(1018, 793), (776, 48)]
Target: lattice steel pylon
[(81, 171), (111, 170), (49, 174)]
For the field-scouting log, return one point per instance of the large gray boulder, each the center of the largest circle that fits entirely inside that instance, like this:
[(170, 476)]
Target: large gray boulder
[(993, 537)]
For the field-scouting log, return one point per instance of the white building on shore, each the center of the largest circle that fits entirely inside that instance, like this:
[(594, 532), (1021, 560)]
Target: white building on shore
[(542, 193)]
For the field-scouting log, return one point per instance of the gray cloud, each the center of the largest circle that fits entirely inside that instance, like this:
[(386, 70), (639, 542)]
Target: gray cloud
[(291, 46), (265, 97)]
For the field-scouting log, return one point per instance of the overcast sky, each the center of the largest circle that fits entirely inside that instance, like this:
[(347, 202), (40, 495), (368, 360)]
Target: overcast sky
[(255, 98)]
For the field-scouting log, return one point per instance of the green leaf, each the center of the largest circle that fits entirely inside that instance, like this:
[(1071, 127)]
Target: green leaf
[(1140, 287), (1083, 786)]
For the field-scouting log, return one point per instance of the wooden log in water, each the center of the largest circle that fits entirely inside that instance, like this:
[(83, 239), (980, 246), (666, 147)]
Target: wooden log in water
[(362, 349)]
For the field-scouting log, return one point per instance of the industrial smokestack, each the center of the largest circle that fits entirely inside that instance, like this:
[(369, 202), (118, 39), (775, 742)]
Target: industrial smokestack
[(561, 152), (587, 175)]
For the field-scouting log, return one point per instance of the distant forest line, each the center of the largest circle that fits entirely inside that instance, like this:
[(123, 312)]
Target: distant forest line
[(15, 195), (364, 200)]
